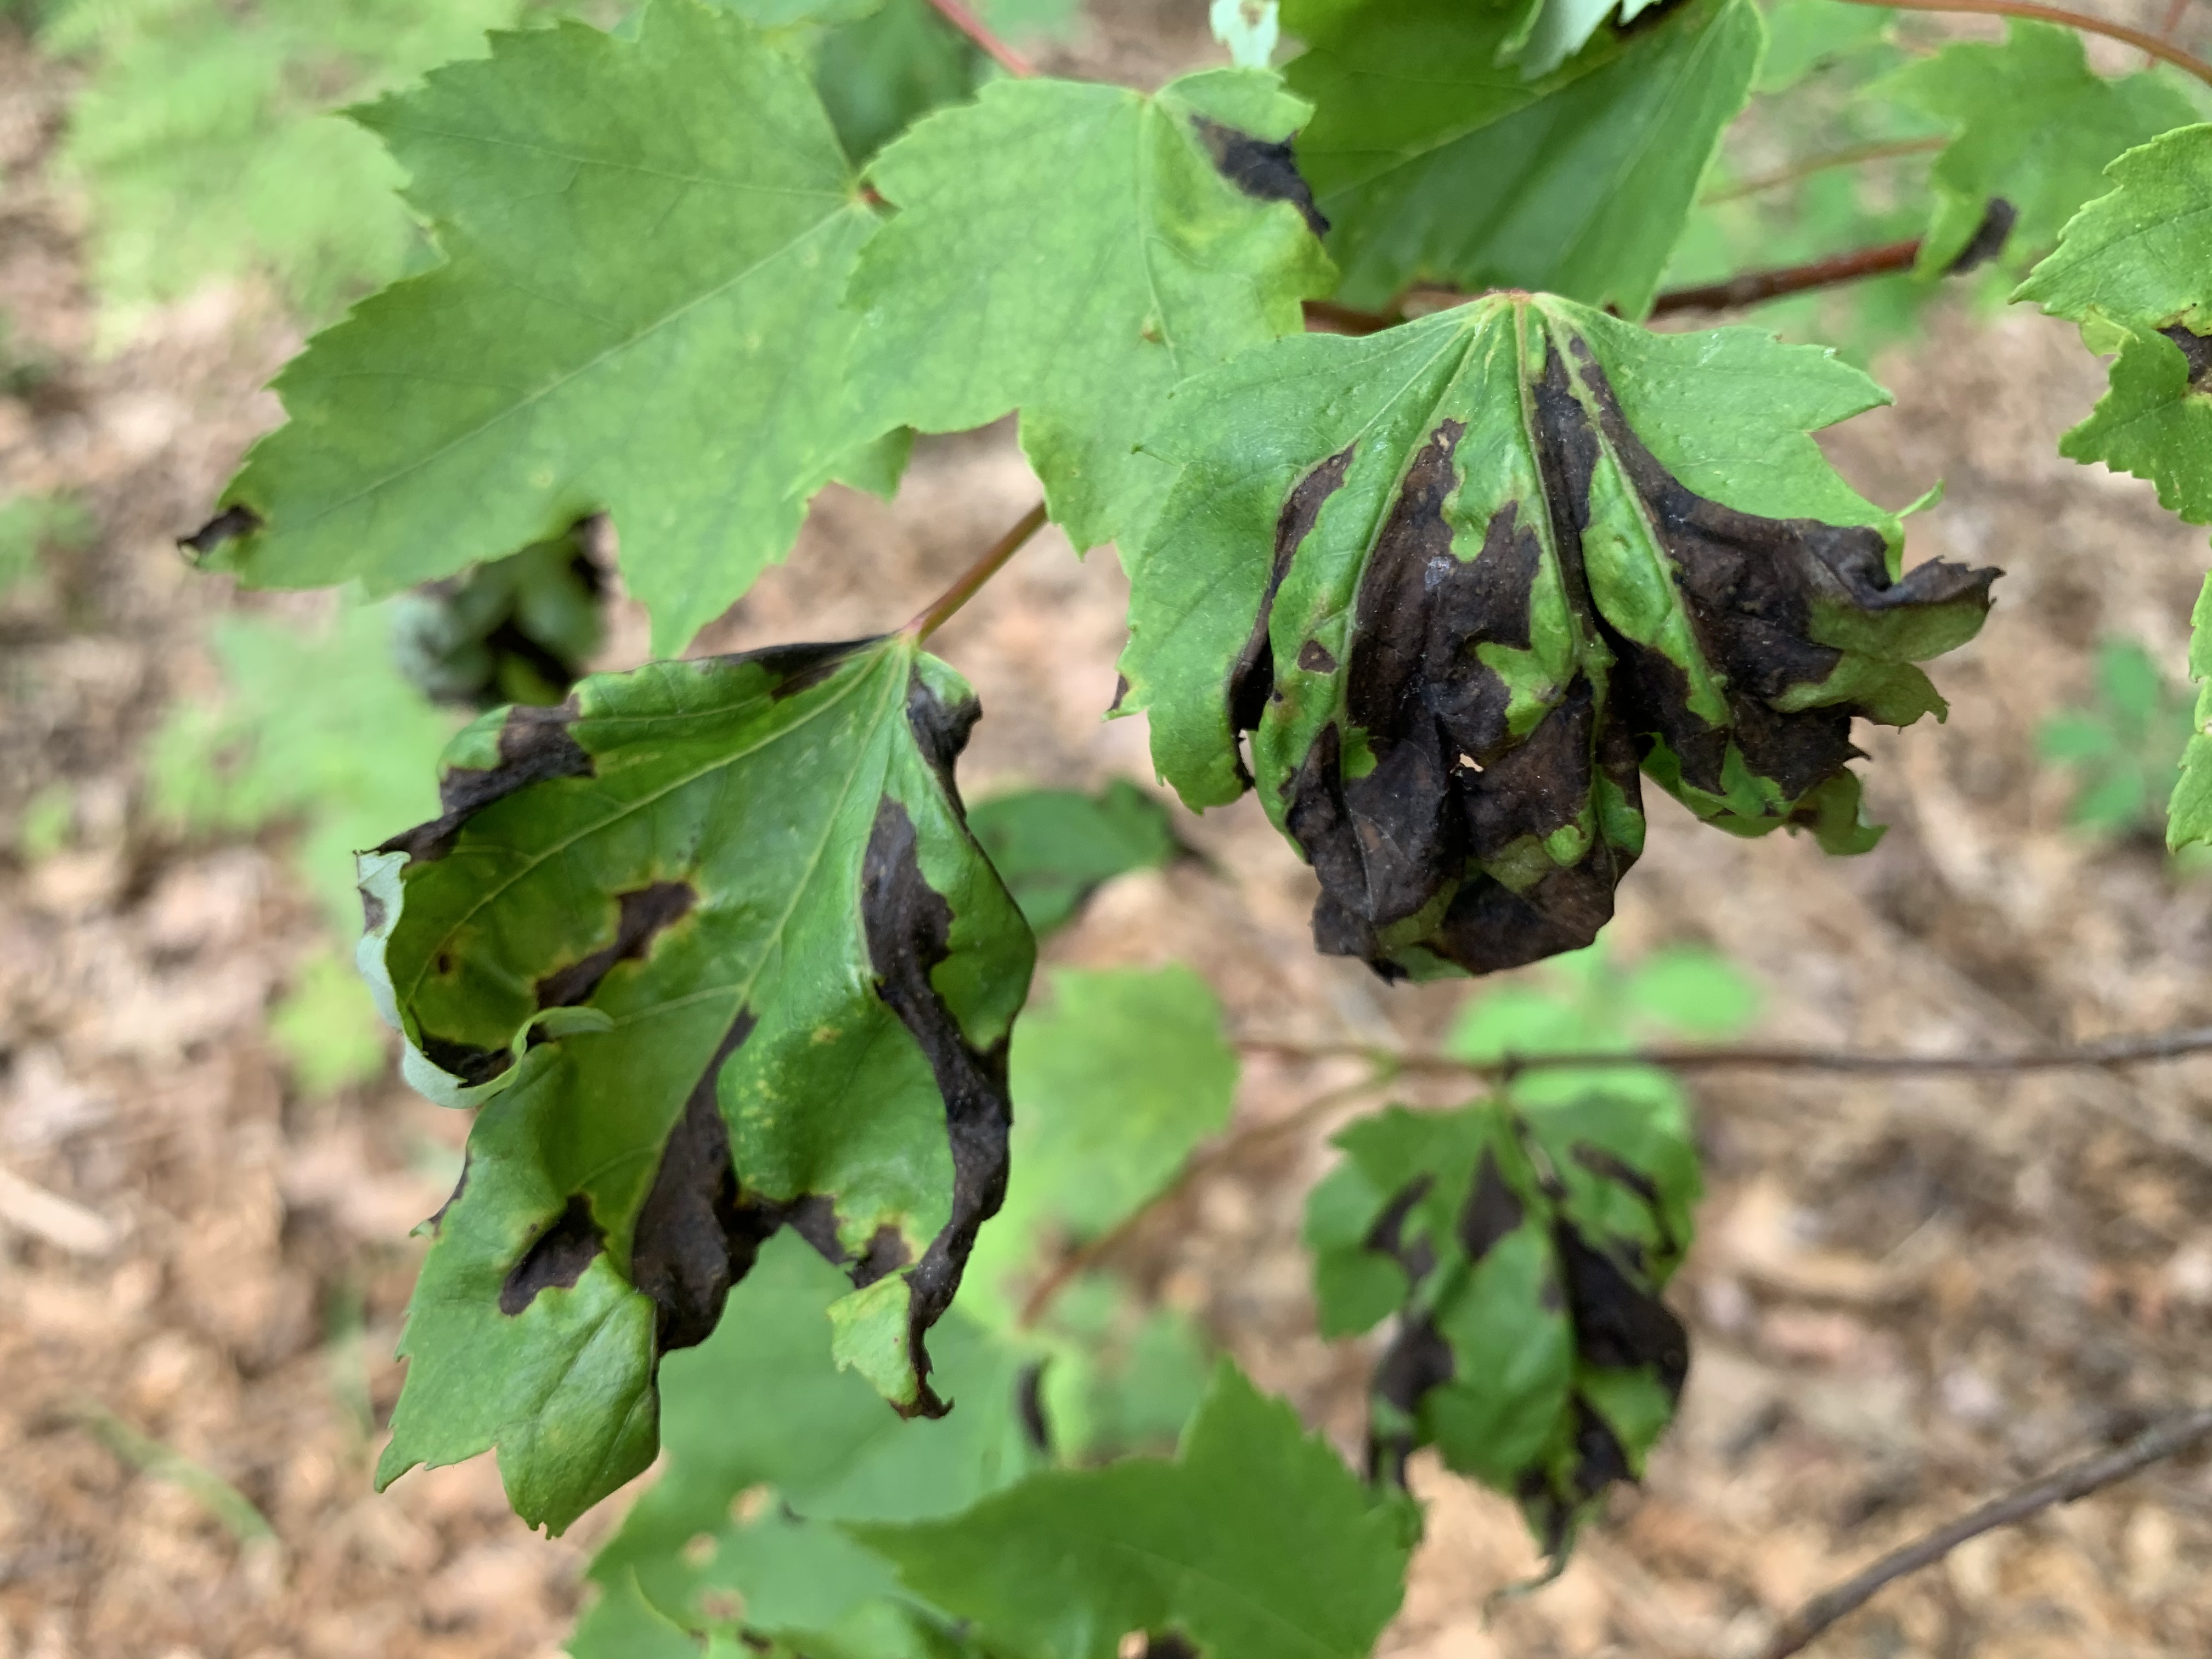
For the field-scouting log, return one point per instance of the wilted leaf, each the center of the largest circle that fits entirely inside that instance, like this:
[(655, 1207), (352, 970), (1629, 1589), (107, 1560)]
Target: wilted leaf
[(1460, 579), (714, 944), (1437, 162), (1074, 250), (769, 1443), (2132, 270), (519, 629), (2035, 127), (645, 243), (1524, 1251), (1053, 847), (1255, 1543)]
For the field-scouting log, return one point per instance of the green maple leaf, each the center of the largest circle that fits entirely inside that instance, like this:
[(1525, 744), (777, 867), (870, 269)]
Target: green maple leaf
[(1053, 847), (1255, 1543), (1524, 1251), (713, 946), (645, 244), (1074, 251), (1461, 579), (2189, 814), (768, 1445), (1436, 162), (2131, 271), (2036, 126)]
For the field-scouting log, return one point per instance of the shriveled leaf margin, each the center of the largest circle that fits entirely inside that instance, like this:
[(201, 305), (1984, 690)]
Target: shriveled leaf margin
[(712, 945), (1461, 579)]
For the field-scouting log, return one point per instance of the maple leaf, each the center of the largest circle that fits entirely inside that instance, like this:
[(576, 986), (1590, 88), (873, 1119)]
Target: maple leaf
[(1461, 579), (713, 947)]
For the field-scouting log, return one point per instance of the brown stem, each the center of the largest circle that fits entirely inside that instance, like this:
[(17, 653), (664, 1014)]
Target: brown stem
[(2076, 1480), (2072, 19), (940, 610), (2114, 1051), (1857, 155), (979, 32), (1751, 287), (1334, 319)]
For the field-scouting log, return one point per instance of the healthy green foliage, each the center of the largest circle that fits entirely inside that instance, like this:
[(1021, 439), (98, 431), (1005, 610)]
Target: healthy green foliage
[(1075, 250), (1436, 160), (2035, 127), (2132, 271), (1255, 1543), (1053, 847), (2189, 814), (33, 527), (2123, 745), (326, 1029), (770, 1445), (1524, 1250), (206, 137), (1520, 549), (644, 241), (712, 944)]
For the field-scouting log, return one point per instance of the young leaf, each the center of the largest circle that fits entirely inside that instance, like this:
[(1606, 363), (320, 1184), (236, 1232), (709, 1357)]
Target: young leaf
[(1053, 847), (1524, 1252), (645, 243), (1075, 250), (1437, 162), (2189, 814), (2124, 747), (1255, 1543), (713, 942), (2132, 271), (769, 1443), (2035, 125), (878, 73), (1460, 578)]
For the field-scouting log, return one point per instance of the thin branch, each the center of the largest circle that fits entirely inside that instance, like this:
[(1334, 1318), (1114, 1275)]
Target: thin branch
[(979, 32), (940, 610), (1857, 155), (1334, 319), (2076, 1480), (2073, 20), (2112, 1051), (1085, 1256), (1752, 286)]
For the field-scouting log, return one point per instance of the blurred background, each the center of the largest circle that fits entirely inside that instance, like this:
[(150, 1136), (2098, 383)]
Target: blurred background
[(1905, 1294)]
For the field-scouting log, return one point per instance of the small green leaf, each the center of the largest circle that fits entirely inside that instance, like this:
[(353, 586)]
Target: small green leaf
[(1074, 250), (1804, 36), (2123, 745), (2189, 814), (326, 1027), (1053, 847), (1524, 1251), (31, 526), (519, 629), (711, 941), (1255, 1543), (879, 73), (645, 244), (1438, 162), (2035, 127), (767, 1444), (1461, 579)]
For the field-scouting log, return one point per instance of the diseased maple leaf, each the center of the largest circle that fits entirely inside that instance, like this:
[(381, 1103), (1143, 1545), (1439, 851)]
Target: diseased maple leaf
[(1461, 579), (712, 945), (1524, 1250)]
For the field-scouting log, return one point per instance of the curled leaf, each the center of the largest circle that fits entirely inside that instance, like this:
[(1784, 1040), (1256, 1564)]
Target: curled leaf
[(1463, 579), (714, 945)]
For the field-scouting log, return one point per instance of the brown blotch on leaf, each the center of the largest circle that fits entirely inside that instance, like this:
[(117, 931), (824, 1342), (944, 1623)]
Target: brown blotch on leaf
[(1619, 1324), (1387, 1237), (228, 525), (1264, 169), (2197, 348), (1493, 1211), (557, 1258), (640, 915), (535, 745), (1252, 676), (468, 1061), (1988, 237), (1416, 1360)]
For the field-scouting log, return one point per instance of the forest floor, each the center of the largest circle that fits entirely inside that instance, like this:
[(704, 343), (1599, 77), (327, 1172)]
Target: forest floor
[(1905, 1295)]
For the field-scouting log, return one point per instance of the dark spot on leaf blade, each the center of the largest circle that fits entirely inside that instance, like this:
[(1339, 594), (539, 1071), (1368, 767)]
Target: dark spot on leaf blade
[(228, 526), (555, 1259), (1493, 1209), (1264, 169), (640, 916)]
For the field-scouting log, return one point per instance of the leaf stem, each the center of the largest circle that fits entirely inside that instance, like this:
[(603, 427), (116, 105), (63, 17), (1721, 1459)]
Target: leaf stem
[(940, 610), (979, 32), (1749, 287), (2141, 38), (2077, 1480), (1857, 155)]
